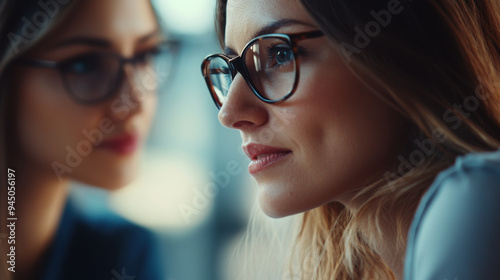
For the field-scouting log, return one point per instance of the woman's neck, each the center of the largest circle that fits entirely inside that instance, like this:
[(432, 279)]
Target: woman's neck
[(40, 200)]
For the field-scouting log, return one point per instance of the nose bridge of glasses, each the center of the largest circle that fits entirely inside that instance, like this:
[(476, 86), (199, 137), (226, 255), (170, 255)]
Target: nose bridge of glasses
[(129, 73), (124, 61), (236, 66), (128, 60), (131, 63)]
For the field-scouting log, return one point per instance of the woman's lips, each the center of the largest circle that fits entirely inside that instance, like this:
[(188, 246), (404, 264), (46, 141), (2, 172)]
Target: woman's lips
[(124, 144), (263, 156)]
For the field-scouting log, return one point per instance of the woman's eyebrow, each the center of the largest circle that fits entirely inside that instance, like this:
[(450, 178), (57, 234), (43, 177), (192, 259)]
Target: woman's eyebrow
[(100, 42), (273, 26), (270, 28), (89, 41)]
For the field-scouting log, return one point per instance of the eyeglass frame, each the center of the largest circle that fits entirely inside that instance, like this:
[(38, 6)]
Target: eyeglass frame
[(237, 64), (60, 66)]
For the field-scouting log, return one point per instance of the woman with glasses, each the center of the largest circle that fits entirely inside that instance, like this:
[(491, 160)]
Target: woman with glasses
[(376, 119), (78, 95)]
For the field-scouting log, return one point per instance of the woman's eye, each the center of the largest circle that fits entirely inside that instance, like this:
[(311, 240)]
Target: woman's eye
[(279, 56), (84, 65), (284, 56)]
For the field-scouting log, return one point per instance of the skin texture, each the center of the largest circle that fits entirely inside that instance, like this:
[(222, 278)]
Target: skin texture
[(49, 121), (340, 134)]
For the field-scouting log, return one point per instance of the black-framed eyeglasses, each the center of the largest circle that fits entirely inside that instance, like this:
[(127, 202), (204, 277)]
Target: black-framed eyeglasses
[(94, 77), (268, 64)]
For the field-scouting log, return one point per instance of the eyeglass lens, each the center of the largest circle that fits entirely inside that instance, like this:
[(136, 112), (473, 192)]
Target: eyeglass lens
[(95, 76), (91, 77), (270, 66)]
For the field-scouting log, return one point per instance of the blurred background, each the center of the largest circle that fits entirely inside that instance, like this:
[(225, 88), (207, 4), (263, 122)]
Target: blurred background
[(194, 190)]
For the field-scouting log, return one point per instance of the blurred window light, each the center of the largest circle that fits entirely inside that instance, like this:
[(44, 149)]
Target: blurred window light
[(168, 195), (187, 16)]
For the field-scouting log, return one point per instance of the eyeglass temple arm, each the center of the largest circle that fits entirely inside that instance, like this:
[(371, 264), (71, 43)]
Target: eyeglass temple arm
[(39, 63), (306, 35)]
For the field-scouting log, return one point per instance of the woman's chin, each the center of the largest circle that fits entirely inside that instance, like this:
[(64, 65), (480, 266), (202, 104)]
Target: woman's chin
[(110, 180), (276, 206)]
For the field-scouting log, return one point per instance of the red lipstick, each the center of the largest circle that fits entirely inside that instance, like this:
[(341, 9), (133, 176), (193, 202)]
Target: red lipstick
[(263, 156), (123, 144)]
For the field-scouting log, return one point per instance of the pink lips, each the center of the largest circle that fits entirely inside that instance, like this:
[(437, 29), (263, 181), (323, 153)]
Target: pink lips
[(263, 156), (123, 144)]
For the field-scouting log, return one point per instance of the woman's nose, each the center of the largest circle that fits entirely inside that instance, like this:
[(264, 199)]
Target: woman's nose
[(131, 94), (242, 109)]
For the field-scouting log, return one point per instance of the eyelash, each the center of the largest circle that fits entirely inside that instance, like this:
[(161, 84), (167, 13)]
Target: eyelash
[(300, 52)]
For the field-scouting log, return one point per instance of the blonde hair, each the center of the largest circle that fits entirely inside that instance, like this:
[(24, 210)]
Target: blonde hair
[(473, 27), (430, 61)]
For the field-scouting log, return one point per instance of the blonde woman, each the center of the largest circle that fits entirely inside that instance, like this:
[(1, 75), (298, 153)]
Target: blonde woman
[(78, 97), (358, 113)]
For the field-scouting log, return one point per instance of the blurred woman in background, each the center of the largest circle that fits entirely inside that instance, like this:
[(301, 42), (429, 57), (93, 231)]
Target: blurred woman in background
[(351, 111), (78, 95)]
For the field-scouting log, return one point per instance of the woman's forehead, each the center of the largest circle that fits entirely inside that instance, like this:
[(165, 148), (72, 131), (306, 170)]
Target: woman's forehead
[(113, 20), (247, 18)]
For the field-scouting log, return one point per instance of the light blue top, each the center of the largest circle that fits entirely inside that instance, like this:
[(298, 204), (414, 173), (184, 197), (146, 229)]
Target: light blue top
[(455, 234)]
